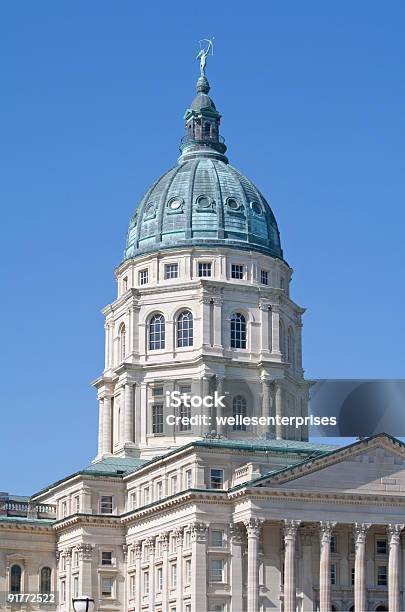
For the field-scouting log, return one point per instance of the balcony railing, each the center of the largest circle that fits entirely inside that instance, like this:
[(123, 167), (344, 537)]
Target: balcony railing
[(27, 509), (189, 139)]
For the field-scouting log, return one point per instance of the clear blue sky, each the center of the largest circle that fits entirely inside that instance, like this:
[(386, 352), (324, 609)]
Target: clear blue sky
[(93, 94)]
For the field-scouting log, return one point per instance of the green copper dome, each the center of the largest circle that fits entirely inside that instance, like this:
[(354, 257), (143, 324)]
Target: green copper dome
[(203, 200)]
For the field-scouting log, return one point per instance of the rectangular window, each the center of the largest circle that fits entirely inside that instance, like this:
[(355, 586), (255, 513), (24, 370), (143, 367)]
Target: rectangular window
[(77, 503), (107, 587), (125, 284), (75, 558), (216, 479), (188, 608), (173, 485), (381, 547), (146, 583), (264, 277), (64, 509), (333, 573), (172, 543), (146, 498), (143, 277), (189, 479), (173, 575), (159, 490), (159, 580), (237, 271), (157, 418), (352, 546), (187, 539), (217, 538), (185, 413), (333, 544), (63, 563), (106, 558), (106, 504), (352, 576), (159, 548), (63, 590), (216, 570), (171, 270), (204, 268), (75, 586), (133, 500), (132, 585), (188, 571), (157, 391), (382, 575), (282, 283)]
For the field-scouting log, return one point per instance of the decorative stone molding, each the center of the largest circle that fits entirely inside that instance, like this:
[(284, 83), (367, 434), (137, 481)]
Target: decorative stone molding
[(137, 549), (150, 543), (236, 533), (164, 538), (178, 533), (360, 531), (394, 533)]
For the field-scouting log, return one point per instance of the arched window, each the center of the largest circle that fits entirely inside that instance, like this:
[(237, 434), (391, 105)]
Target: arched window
[(157, 330), (239, 409), (122, 342), (45, 580), (185, 329), (206, 130), (291, 348), (15, 579), (238, 330)]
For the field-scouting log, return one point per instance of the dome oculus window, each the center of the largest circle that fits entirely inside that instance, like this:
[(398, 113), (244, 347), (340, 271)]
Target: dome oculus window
[(204, 202), (175, 205), (233, 204), (255, 206)]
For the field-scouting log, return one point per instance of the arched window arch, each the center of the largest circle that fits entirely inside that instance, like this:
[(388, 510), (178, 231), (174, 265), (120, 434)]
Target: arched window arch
[(122, 342), (15, 579), (45, 580), (238, 331), (291, 347), (239, 408), (282, 339), (185, 328), (157, 332)]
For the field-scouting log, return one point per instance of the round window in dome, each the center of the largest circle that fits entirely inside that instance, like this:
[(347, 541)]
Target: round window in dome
[(175, 204), (255, 206), (233, 204), (203, 201)]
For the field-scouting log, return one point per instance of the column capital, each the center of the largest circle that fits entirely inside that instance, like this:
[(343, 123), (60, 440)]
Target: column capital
[(360, 531), (325, 531), (164, 538), (265, 306), (178, 533), (394, 533), (199, 532), (236, 533), (290, 528), (253, 527), (85, 551), (138, 549), (150, 543)]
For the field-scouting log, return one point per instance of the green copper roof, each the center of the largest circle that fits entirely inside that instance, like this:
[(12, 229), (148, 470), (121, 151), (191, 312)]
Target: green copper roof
[(203, 200), (117, 465)]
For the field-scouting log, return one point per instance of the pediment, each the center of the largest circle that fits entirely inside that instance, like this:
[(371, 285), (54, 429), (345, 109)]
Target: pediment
[(376, 465)]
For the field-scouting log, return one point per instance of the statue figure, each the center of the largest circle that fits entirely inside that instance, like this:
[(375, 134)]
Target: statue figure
[(203, 54)]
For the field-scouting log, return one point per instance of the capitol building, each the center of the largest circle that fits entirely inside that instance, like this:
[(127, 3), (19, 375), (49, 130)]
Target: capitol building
[(197, 506)]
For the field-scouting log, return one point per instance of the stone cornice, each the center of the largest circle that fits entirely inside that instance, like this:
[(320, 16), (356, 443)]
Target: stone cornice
[(21, 526), (96, 520)]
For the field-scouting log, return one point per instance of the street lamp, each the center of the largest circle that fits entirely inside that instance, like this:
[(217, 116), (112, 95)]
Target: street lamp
[(83, 604)]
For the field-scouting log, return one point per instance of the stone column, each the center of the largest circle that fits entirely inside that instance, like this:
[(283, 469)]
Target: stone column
[(68, 562), (278, 399), (264, 324), (218, 322), (151, 550), (100, 427), (85, 558), (165, 571), (138, 574), (107, 425), (326, 528), (360, 531), (205, 390), (179, 585), (107, 345), (290, 534), (306, 569), (253, 529), (198, 567), (275, 330), (220, 411), (267, 401), (129, 414), (206, 320), (394, 574), (236, 536)]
